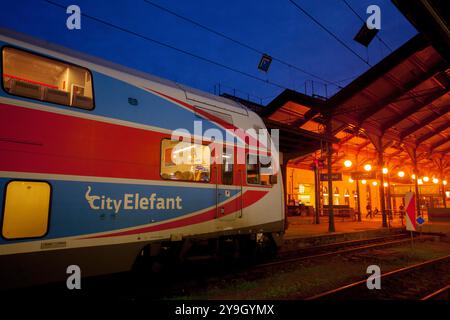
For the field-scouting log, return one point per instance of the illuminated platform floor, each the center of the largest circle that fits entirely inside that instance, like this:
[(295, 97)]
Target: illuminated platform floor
[(303, 233), (437, 227), (304, 227)]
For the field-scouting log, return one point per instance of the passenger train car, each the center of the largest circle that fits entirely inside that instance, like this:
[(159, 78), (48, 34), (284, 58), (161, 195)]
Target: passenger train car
[(87, 170)]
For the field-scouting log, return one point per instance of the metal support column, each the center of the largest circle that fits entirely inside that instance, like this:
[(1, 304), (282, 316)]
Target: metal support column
[(358, 200), (416, 188), (444, 198), (442, 185), (317, 192), (381, 187), (284, 178), (416, 183), (388, 194), (331, 227)]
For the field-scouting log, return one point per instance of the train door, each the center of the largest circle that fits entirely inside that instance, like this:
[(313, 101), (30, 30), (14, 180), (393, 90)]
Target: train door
[(258, 177), (227, 194)]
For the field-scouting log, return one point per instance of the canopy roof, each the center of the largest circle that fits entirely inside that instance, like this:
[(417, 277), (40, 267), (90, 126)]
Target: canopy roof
[(400, 106)]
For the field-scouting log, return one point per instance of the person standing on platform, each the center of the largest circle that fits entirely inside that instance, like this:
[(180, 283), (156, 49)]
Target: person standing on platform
[(369, 211)]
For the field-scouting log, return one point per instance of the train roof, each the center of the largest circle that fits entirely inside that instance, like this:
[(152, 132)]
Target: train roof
[(191, 93)]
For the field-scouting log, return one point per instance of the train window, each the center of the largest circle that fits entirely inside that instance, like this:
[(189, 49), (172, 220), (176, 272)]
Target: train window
[(185, 161), (253, 176), (33, 76), (259, 169), (265, 170), (227, 167), (26, 209)]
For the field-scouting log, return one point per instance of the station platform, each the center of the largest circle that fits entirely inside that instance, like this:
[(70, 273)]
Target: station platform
[(305, 227), (302, 232), (436, 227)]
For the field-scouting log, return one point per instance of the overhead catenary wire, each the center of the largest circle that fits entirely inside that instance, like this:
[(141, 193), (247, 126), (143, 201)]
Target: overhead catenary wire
[(351, 109), (306, 13), (163, 44), (240, 43)]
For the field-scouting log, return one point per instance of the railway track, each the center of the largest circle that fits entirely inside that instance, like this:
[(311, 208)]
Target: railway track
[(440, 294), (200, 277), (311, 250), (194, 275), (422, 281), (343, 248)]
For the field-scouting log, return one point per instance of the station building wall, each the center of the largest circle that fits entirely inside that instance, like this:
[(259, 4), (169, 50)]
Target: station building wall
[(301, 186)]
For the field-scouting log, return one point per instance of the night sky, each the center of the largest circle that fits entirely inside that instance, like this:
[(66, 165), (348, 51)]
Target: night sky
[(276, 27)]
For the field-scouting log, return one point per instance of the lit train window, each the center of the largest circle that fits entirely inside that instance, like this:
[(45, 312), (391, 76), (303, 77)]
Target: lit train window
[(26, 209), (185, 161), (33, 76), (253, 176), (259, 170)]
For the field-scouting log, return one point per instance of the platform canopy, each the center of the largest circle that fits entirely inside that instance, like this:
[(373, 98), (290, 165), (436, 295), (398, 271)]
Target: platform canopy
[(402, 103), (282, 113), (400, 106)]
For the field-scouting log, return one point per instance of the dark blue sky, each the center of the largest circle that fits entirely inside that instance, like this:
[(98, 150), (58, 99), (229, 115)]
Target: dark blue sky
[(273, 26)]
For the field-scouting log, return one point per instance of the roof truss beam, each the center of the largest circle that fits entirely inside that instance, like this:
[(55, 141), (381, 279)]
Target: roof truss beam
[(434, 132), (425, 121), (400, 92), (440, 143), (307, 116), (429, 99)]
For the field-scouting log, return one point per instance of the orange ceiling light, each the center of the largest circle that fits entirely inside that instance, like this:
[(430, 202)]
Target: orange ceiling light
[(348, 163)]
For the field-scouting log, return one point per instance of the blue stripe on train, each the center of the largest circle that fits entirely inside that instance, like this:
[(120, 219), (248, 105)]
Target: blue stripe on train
[(72, 214)]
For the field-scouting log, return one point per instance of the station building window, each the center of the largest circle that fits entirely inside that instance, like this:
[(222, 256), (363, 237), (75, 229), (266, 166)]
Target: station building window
[(304, 193), (346, 198), (259, 169), (325, 195), (26, 209), (36, 77), (336, 196), (185, 161)]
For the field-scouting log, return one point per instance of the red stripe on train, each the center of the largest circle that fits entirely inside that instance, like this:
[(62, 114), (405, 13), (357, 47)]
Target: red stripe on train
[(46, 142), (249, 198)]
